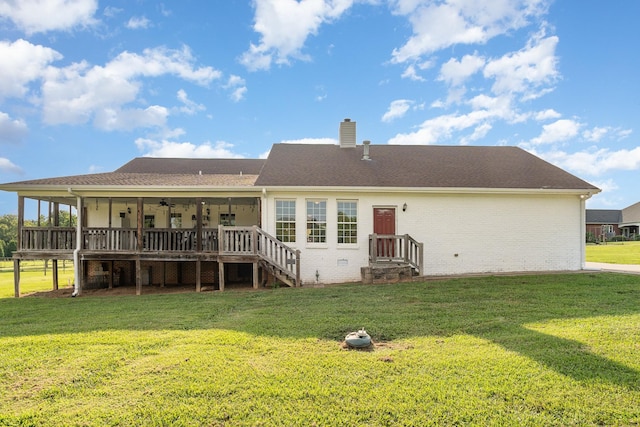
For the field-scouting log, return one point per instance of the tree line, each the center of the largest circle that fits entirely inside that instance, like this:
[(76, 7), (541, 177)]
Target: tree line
[(9, 230)]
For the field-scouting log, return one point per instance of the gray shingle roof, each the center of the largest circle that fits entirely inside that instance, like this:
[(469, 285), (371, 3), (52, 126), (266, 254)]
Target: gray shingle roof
[(393, 166), (193, 166), (603, 216), (413, 166), (115, 179)]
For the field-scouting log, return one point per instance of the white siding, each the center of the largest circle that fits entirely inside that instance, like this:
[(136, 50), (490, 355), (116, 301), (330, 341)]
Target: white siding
[(461, 233)]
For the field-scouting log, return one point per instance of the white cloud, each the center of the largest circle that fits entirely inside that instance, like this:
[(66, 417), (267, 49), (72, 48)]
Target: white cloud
[(331, 141), (6, 166), (38, 16), (411, 74), (450, 22), (22, 63), (78, 93), (284, 26), (479, 132), (238, 94), (238, 88), (111, 119), (111, 11), (595, 162), (164, 148), (558, 131), (595, 134), (485, 110), (189, 107), (397, 109), (528, 71), (138, 22), (455, 72), (12, 131), (441, 128), (547, 114)]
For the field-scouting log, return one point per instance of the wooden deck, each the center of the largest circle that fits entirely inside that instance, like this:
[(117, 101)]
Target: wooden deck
[(224, 245)]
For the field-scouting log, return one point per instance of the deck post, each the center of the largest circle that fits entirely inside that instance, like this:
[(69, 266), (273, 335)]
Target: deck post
[(20, 221), (221, 243), (164, 274), (198, 275), (373, 250), (54, 273), (140, 225), (256, 282), (111, 265), (407, 255), (199, 224), (298, 282), (421, 258), (16, 278), (221, 275), (138, 277)]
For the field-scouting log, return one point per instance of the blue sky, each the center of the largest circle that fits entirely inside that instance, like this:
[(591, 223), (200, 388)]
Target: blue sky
[(87, 85)]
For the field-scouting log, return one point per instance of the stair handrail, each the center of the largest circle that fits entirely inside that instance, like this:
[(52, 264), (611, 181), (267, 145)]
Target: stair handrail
[(397, 248), (285, 258)]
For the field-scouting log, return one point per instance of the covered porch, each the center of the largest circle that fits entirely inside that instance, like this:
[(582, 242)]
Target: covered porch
[(155, 239)]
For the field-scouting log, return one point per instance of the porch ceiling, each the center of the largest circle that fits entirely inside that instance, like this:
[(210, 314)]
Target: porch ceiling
[(210, 201)]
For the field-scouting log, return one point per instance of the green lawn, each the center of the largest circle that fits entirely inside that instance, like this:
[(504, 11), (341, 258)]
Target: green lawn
[(614, 253), (524, 350), (34, 277)]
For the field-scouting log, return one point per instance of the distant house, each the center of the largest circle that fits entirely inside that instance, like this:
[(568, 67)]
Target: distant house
[(630, 224), (312, 214), (605, 224)]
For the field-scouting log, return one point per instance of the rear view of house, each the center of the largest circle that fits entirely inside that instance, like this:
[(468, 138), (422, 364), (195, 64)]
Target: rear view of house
[(312, 214)]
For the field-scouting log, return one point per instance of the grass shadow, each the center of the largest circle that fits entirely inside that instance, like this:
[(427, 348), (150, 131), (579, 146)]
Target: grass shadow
[(492, 308)]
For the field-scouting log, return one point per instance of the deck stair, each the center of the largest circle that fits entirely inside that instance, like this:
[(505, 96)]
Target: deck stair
[(276, 258), (393, 258)]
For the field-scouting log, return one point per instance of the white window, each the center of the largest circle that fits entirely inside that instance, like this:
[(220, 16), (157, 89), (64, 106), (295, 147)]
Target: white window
[(286, 220), (347, 222), (316, 221)]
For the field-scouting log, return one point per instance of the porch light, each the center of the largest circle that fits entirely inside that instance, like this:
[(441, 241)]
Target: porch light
[(404, 207)]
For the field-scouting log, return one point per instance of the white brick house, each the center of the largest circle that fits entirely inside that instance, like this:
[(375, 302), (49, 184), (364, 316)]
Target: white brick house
[(312, 213)]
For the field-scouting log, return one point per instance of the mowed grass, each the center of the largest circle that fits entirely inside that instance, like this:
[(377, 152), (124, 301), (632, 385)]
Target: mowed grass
[(614, 253), (523, 350), (34, 277)]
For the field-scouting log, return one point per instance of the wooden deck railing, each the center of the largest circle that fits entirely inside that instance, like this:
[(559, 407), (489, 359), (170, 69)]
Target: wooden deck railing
[(224, 241), (153, 239), (397, 248), (48, 239), (254, 240)]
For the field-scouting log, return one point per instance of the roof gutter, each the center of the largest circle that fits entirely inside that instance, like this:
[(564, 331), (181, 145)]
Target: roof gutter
[(583, 193)]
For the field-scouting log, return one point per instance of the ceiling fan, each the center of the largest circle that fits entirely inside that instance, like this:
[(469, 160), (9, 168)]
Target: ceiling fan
[(164, 202)]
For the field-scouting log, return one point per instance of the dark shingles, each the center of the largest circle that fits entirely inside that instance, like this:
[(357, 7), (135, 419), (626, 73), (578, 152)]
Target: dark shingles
[(117, 179), (413, 166), (193, 166), (603, 216)]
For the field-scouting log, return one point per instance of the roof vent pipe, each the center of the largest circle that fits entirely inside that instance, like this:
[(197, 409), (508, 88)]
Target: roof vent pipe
[(365, 153), (347, 134)]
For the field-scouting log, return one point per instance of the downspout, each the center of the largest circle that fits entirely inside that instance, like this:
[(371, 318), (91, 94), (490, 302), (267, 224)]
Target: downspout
[(76, 251), (583, 231)]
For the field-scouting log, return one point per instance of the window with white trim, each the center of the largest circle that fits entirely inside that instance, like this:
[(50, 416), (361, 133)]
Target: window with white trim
[(316, 221), (347, 222), (286, 220)]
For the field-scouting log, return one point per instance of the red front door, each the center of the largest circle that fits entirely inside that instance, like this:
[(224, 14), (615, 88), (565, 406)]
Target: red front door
[(384, 222)]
